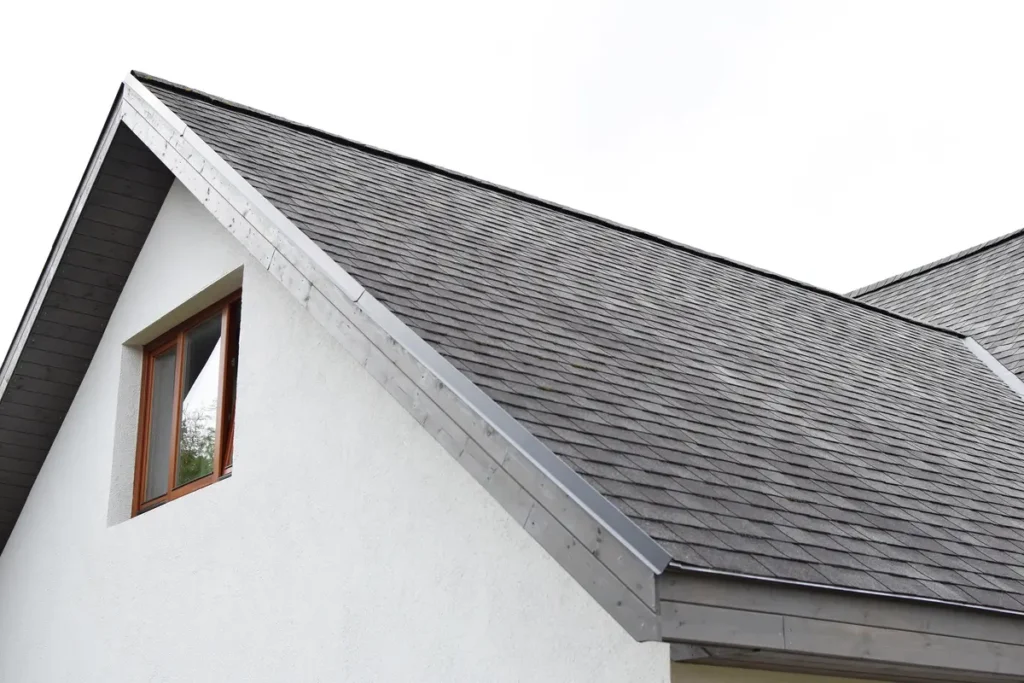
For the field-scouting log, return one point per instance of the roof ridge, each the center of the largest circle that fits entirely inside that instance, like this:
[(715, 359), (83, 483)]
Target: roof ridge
[(935, 265), (517, 194)]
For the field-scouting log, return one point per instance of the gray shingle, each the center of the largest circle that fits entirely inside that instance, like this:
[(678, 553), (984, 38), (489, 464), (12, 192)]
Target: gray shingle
[(749, 423)]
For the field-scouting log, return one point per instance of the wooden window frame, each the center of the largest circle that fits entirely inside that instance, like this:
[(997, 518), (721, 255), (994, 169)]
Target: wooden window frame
[(223, 455)]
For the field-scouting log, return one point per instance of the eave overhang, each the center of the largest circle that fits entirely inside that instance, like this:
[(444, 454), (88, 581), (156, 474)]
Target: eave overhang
[(729, 620)]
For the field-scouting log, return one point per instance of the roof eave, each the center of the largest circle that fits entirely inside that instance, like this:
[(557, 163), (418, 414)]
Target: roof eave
[(714, 617)]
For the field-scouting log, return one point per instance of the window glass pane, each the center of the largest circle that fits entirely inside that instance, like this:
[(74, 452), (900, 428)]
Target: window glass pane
[(160, 424), (201, 382)]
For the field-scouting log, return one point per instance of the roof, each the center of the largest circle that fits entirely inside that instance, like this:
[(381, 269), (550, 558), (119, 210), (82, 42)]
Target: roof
[(748, 423), (979, 291)]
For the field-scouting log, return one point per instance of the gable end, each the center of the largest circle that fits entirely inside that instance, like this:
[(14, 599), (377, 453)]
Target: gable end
[(592, 539)]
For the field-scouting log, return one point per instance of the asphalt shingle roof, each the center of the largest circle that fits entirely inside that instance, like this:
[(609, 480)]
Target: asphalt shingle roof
[(979, 292), (747, 422)]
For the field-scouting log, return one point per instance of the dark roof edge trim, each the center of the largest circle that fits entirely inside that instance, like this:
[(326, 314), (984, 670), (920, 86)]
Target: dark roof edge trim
[(1009, 379), (60, 243), (765, 580), (606, 552), (935, 265), (522, 196)]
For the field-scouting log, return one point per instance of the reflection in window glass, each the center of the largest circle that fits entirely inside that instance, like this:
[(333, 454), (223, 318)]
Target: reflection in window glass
[(161, 410), (201, 380)]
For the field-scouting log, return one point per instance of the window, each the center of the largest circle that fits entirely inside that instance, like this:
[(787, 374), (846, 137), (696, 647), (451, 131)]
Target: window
[(187, 413)]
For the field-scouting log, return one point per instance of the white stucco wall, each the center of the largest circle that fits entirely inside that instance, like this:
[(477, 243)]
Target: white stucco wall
[(348, 546)]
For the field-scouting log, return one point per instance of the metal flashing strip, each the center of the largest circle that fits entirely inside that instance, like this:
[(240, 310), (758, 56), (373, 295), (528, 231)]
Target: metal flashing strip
[(60, 244), (604, 550), (1009, 379)]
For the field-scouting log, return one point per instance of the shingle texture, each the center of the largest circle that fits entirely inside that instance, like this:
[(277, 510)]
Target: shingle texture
[(748, 423), (979, 292)]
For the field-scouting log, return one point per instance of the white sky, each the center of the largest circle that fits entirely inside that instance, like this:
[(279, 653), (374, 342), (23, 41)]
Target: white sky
[(835, 142)]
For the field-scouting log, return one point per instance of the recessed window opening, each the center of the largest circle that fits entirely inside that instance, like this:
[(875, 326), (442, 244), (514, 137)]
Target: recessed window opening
[(187, 415)]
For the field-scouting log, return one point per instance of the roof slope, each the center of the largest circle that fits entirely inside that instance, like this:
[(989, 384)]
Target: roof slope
[(979, 292), (748, 423)]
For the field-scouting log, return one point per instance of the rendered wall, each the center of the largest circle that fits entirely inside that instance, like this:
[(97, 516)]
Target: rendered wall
[(348, 546)]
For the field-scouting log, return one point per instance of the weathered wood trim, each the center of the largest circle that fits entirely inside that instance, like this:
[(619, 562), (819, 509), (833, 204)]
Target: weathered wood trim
[(778, 624), (612, 558), (836, 605)]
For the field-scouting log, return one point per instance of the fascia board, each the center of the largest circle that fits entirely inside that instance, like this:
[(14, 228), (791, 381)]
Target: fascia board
[(775, 623)]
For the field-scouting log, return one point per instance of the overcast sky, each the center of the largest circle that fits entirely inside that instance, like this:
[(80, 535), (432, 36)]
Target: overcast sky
[(834, 142)]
